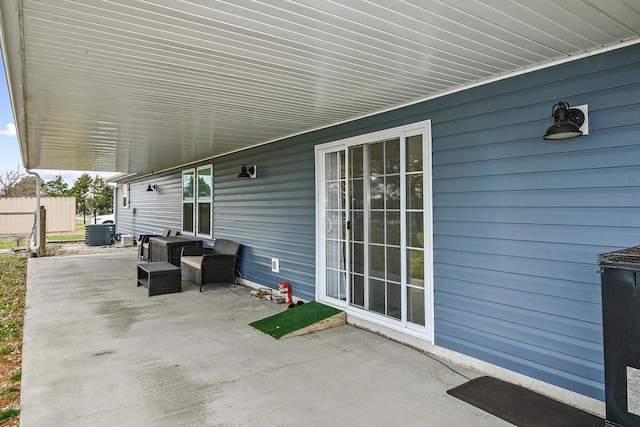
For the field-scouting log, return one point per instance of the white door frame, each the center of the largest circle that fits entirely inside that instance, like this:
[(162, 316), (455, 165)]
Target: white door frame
[(423, 128)]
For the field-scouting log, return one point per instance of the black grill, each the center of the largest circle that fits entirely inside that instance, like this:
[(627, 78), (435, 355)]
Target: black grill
[(620, 272)]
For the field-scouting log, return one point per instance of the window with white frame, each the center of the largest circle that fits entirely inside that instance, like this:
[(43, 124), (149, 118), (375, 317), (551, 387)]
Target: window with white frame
[(188, 200), (197, 194), (123, 190), (205, 187)]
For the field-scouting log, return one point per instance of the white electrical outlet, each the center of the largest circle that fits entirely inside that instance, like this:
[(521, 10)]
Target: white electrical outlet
[(275, 265)]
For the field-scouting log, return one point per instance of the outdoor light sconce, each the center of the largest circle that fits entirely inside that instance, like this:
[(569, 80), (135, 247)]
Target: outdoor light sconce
[(152, 187), (250, 171), (567, 122)]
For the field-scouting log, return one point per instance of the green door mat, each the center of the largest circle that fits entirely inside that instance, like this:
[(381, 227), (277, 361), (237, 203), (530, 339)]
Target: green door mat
[(300, 320)]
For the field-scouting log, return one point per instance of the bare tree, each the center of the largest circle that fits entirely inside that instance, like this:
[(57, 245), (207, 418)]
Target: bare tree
[(8, 181), (26, 187)]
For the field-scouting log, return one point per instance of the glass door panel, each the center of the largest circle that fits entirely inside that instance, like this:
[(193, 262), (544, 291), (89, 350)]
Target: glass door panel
[(383, 231), (415, 220), (357, 226), (335, 227)]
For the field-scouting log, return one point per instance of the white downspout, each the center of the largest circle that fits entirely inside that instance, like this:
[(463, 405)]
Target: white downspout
[(35, 246)]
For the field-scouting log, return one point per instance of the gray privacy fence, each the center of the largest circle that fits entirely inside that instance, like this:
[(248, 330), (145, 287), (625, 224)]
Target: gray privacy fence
[(17, 214)]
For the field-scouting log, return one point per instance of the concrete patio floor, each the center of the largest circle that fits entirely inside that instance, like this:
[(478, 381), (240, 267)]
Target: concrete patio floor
[(99, 352)]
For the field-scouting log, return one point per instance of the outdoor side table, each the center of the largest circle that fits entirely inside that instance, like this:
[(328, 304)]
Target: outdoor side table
[(159, 277)]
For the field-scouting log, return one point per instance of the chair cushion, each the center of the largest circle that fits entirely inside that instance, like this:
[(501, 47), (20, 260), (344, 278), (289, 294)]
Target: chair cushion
[(192, 260)]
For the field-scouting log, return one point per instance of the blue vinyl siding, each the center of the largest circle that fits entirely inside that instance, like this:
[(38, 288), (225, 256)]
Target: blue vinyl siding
[(518, 221), (272, 216), (155, 211)]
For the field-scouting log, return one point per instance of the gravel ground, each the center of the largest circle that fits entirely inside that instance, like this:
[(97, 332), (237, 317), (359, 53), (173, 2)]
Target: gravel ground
[(60, 248), (80, 248)]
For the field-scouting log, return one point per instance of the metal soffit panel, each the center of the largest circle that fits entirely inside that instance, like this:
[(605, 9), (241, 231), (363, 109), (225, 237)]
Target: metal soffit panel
[(141, 86)]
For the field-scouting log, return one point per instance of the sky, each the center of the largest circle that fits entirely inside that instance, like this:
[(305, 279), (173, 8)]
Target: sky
[(10, 158)]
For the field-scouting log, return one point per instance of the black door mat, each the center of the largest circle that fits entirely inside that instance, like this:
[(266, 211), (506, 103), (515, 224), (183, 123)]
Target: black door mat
[(520, 406)]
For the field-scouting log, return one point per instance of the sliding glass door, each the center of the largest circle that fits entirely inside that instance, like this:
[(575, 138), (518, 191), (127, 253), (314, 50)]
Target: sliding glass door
[(374, 225)]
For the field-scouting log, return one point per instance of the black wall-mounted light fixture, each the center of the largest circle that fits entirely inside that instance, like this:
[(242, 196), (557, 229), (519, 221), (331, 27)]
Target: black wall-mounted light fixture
[(248, 171), (566, 122), (152, 187)]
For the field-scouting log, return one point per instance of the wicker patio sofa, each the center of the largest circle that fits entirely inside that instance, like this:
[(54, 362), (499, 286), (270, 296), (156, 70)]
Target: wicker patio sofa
[(208, 266)]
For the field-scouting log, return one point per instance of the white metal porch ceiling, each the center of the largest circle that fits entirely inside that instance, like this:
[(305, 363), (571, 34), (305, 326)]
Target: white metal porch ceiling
[(137, 86)]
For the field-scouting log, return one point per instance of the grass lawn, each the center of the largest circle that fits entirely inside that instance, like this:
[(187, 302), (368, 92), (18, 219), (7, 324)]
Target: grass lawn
[(78, 234), (66, 237), (13, 279), (11, 243)]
